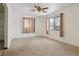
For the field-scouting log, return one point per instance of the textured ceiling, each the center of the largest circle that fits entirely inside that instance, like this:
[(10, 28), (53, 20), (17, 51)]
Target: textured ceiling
[(25, 7)]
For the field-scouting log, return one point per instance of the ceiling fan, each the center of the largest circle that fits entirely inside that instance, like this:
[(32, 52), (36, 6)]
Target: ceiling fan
[(39, 9)]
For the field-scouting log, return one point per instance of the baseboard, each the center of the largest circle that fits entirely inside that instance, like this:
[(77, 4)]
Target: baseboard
[(63, 42)]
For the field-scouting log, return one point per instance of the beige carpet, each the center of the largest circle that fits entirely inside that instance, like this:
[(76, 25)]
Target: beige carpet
[(40, 46)]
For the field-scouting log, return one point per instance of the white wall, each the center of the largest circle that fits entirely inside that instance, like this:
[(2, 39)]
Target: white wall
[(15, 24), (17, 27), (10, 26), (40, 25), (71, 26)]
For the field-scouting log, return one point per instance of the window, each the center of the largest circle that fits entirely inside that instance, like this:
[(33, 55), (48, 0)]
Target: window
[(51, 25), (28, 25), (57, 23), (54, 23)]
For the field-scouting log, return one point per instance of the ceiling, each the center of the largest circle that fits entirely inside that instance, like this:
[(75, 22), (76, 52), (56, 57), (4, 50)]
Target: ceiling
[(25, 7)]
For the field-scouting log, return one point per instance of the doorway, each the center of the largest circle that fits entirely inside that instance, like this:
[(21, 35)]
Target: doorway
[(3, 26)]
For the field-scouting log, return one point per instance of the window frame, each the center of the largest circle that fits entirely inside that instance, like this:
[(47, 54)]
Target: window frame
[(29, 18), (54, 26)]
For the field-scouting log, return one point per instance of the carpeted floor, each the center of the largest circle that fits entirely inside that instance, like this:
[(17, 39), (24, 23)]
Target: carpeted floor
[(40, 46)]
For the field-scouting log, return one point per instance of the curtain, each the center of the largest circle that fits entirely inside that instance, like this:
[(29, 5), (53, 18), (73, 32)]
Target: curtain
[(28, 25), (61, 25), (47, 25)]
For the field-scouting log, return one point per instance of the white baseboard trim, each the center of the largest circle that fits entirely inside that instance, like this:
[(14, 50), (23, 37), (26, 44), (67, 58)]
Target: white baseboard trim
[(64, 42)]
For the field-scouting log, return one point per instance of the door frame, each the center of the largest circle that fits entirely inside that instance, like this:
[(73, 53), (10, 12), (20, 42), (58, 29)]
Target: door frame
[(5, 26)]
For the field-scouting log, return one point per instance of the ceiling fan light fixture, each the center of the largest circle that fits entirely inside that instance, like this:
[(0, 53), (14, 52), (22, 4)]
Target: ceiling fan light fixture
[(38, 9)]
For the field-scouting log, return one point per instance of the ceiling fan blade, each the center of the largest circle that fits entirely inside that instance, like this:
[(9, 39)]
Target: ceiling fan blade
[(31, 10), (45, 8), (44, 11)]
